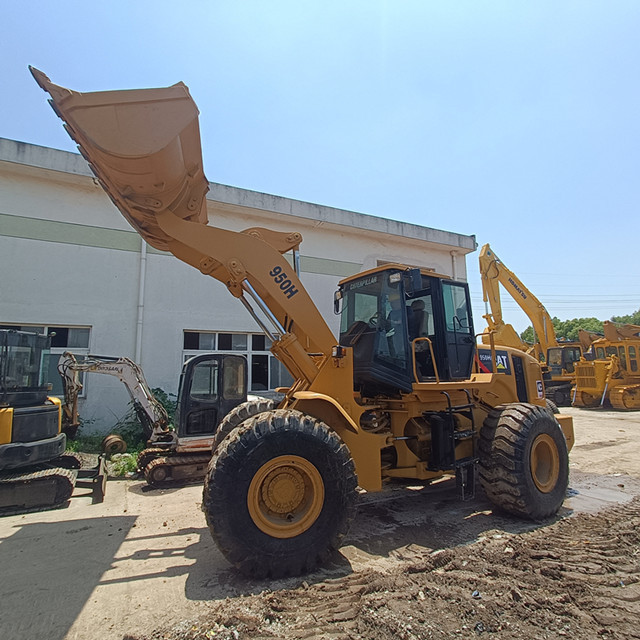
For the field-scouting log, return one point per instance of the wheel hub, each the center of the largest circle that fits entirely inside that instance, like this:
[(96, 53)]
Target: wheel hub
[(545, 463), (286, 496), (283, 490)]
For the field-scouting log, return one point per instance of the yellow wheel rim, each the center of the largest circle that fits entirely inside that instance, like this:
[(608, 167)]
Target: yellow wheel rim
[(545, 463), (285, 496)]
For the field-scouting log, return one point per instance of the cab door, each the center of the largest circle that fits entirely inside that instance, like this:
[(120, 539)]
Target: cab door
[(458, 330), (211, 385)]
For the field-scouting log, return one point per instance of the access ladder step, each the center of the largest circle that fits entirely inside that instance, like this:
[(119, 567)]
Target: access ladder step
[(466, 478)]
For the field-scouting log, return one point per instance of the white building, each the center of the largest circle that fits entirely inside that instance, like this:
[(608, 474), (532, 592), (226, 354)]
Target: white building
[(72, 265)]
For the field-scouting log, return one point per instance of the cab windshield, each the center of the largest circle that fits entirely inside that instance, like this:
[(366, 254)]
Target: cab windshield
[(376, 304)]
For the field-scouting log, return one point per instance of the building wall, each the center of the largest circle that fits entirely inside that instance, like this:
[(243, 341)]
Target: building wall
[(70, 259)]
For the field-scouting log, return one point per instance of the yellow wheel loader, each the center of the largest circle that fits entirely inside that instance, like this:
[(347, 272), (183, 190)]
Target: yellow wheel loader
[(400, 394)]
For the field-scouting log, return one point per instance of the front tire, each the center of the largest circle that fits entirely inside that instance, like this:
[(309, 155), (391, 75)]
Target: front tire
[(280, 494), (524, 461), (238, 415)]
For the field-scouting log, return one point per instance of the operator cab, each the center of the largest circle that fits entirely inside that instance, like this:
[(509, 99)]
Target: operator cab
[(210, 386), (405, 326), (562, 359), (24, 362)]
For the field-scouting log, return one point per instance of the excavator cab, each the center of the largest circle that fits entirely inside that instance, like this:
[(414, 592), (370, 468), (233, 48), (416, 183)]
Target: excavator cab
[(210, 386), (23, 362), (405, 327), (562, 359)]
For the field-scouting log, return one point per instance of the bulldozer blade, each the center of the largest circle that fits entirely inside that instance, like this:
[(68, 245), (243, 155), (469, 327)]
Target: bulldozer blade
[(143, 146)]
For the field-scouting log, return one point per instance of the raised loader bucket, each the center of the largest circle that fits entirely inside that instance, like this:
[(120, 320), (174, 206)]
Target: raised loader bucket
[(144, 147)]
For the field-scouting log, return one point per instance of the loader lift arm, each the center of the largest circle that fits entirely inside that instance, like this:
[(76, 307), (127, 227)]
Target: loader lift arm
[(150, 412), (615, 332)]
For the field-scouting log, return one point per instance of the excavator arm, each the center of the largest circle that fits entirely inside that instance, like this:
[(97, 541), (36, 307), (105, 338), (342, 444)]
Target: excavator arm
[(149, 410), (494, 273), (144, 147)]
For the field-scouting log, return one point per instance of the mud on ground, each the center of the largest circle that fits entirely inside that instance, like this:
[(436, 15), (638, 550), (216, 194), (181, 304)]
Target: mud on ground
[(417, 563), (576, 578)]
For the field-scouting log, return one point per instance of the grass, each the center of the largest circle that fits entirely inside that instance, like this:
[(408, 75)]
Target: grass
[(129, 429)]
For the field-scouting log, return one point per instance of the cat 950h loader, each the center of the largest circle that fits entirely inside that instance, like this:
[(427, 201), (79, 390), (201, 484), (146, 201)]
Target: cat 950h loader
[(399, 395)]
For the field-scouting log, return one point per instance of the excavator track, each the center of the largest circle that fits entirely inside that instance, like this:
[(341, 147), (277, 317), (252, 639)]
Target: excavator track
[(625, 398), (176, 468), (37, 490), (146, 456)]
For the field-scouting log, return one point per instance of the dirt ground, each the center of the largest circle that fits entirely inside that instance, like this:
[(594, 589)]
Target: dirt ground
[(417, 564)]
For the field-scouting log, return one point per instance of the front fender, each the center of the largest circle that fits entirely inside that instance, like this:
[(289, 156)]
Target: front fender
[(325, 408), (364, 447)]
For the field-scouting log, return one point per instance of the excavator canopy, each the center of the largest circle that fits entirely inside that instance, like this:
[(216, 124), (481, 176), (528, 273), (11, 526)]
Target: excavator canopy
[(144, 147)]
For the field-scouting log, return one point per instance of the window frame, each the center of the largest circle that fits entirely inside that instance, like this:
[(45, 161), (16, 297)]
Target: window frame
[(56, 352), (274, 366)]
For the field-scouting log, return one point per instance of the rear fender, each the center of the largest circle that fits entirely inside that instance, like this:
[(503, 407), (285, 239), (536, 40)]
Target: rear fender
[(566, 424)]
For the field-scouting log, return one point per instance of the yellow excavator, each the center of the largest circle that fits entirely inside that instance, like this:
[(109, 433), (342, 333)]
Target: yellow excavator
[(399, 395), (35, 472), (608, 373), (559, 357)]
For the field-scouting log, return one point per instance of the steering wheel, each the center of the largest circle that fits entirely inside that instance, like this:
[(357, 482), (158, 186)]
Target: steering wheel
[(375, 320), (462, 322)]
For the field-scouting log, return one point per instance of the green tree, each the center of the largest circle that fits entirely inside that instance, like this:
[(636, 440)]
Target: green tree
[(567, 329), (632, 318)]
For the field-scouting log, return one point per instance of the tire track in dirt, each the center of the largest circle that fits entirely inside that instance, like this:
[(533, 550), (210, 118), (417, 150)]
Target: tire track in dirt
[(579, 577)]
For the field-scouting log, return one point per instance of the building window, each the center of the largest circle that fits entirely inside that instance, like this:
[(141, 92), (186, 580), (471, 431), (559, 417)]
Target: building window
[(264, 372), (75, 339)]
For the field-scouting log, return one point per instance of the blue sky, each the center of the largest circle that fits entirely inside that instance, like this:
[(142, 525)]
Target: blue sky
[(514, 121)]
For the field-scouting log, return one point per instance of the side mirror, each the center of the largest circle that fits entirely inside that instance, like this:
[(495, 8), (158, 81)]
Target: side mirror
[(412, 280), (337, 302)]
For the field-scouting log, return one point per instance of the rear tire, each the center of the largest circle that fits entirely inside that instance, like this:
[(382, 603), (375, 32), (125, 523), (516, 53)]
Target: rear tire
[(524, 461), (280, 494)]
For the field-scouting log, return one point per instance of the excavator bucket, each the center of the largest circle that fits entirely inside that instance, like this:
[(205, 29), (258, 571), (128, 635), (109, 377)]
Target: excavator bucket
[(144, 147)]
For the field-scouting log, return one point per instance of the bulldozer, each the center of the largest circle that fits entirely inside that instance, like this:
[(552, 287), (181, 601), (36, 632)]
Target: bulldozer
[(608, 374), (399, 395), (212, 400)]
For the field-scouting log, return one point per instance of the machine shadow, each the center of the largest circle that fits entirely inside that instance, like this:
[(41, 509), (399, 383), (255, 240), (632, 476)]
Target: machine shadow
[(49, 571)]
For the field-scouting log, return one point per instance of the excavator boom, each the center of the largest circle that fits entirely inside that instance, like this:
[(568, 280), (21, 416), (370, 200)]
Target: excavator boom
[(493, 273), (150, 411)]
